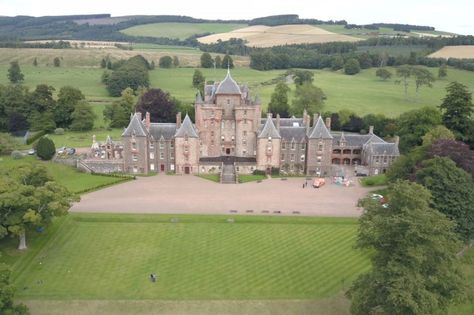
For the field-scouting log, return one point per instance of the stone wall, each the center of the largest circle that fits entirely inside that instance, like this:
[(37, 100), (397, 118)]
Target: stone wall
[(104, 167)]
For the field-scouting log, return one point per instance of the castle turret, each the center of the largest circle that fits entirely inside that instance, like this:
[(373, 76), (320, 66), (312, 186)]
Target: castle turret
[(187, 148), (268, 146)]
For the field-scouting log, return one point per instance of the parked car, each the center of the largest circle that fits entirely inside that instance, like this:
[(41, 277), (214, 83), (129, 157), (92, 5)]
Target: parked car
[(32, 151), (61, 150), (70, 151), (318, 182)]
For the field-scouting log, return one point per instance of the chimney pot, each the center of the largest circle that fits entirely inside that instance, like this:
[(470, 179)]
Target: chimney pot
[(147, 120), (178, 120), (278, 122), (371, 129), (328, 123), (315, 118), (397, 140)]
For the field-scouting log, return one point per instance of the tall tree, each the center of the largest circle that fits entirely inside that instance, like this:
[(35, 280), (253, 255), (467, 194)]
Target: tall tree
[(437, 133), (35, 62), (198, 80), (303, 76), (413, 252), (206, 60), (30, 198), (279, 100), (45, 148), (458, 109), (383, 74), (68, 97), (118, 113), (7, 304), (161, 106), (453, 192), (443, 71), (175, 61), (227, 62), (57, 62), (423, 77), (83, 117), (351, 66), (165, 62), (404, 73), (457, 151), (309, 97), (14, 73), (337, 63), (218, 61)]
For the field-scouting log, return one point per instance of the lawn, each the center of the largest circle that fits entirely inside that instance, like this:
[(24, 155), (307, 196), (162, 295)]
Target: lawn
[(102, 256), (245, 178), (71, 178), (180, 30), (375, 180), (212, 177)]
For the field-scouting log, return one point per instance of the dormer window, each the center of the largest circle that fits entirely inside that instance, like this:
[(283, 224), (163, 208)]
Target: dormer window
[(293, 145), (162, 144)]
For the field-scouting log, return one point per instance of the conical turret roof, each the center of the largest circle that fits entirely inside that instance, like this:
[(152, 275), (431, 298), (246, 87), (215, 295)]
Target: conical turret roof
[(186, 129), (320, 131), (228, 85)]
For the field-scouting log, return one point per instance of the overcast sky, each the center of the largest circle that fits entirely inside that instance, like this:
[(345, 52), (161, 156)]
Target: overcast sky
[(452, 16)]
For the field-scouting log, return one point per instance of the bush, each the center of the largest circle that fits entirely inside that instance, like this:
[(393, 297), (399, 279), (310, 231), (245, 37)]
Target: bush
[(17, 155), (35, 137), (375, 180), (352, 66), (59, 131), (45, 148), (258, 172), (7, 143), (166, 62)]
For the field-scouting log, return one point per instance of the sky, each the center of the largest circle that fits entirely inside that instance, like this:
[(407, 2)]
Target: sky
[(451, 16)]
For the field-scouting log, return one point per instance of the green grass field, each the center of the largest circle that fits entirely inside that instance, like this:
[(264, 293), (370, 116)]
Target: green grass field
[(179, 30), (94, 256), (72, 179)]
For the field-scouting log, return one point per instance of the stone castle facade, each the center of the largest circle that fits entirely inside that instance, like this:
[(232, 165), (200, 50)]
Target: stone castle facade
[(230, 136)]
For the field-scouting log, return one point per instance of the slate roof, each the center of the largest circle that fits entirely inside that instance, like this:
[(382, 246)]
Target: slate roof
[(199, 98), (135, 126), (297, 133), (286, 122), (186, 128), (354, 139), (319, 131), (269, 130), (228, 86), (165, 130), (383, 148)]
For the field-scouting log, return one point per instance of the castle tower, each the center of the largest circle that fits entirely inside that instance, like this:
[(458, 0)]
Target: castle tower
[(187, 148), (136, 146), (319, 149), (268, 146)]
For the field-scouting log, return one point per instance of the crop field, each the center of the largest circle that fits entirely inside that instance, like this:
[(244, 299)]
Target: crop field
[(386, 31), (71, 178), (179, 30), (460, 52), (268, 36)]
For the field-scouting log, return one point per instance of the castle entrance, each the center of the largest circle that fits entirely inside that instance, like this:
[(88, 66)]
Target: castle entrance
[(227, 151), (186, 170)]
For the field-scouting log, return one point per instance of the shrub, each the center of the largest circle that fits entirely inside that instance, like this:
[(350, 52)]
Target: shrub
[(45, 148), (352, 66), (35, 137), (7, 143), (166, 62), (59, 131), (258, 172), (17, 155)]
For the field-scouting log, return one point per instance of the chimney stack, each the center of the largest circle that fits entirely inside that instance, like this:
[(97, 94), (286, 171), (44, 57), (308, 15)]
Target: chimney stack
[(371, 130), (147, 121), (397, 140), (178, 120), (328, 123), (139, 114), (305, 117), (278, 122), (315, 118), (269, 115)]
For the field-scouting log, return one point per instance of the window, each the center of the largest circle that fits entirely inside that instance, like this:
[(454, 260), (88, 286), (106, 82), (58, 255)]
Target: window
[(172, 155), (152, 155), (228, 101), (320, 146), (134, 157), (162, 155), (245, 112), (293, 145), (302, 158), (245, 121), (292, 157), (171, 144), (384, 160), (152, 167), (152, 146), (245, 133), (244, 152), (162, 145), (135, 169), (283, 145), (212, 113), (244, 142), (282, 157), (134, 145), (303, 146), (318, 158)]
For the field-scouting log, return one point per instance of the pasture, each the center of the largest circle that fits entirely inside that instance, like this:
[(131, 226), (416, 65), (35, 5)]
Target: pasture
[(268, 36), (179, 30), (460, 52)]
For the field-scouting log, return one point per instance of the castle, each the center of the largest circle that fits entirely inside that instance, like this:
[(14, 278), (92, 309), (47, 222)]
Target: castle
[(230, 137)]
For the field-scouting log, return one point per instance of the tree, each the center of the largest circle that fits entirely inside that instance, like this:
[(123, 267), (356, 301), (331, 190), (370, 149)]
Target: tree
[(457, 151), (30, 198), (383, 74), (279, 100), (42, 121), (453, 192), (206, 60), (42, 98), (17, 122), (45, 148), (14, 73), (198, 79), (68, 97), (82, 117), (7, 144), (413, 253), (352, 66), (152, 65), (218, 61), (422, 77), (165, 62), (57, 62), (303, 76), (309, 97), (35, 62), (175, 61), (132, 73), (161, 106), (437, 133), (103, 63), (337, 63), (414, 124), (443, 71), (118, 113), (404, 73), (458, 109), (7, 291), (227, 62)]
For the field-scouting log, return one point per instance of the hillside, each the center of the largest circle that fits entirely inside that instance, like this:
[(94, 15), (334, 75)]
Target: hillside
[(268, 36), (460, 52)]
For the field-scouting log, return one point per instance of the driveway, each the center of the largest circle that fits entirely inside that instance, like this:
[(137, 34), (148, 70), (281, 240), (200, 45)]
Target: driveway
[(191, 194)]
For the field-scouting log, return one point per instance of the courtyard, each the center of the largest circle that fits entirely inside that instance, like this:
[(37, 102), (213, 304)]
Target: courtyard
[(191, 194)]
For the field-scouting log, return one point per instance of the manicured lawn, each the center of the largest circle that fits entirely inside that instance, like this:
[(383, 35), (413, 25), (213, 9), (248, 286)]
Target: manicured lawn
[(375, 180), (99, 256), (212, 177), (180, 30), (245, 178), (72, 179)]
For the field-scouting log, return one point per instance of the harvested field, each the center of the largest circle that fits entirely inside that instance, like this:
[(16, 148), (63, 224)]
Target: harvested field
[(460, 52), (266, 36)]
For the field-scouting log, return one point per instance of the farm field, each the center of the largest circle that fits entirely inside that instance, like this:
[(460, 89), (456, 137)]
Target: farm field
[(72, 179), (268, 36), (367, 33), (179, 30), (460, 52)]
